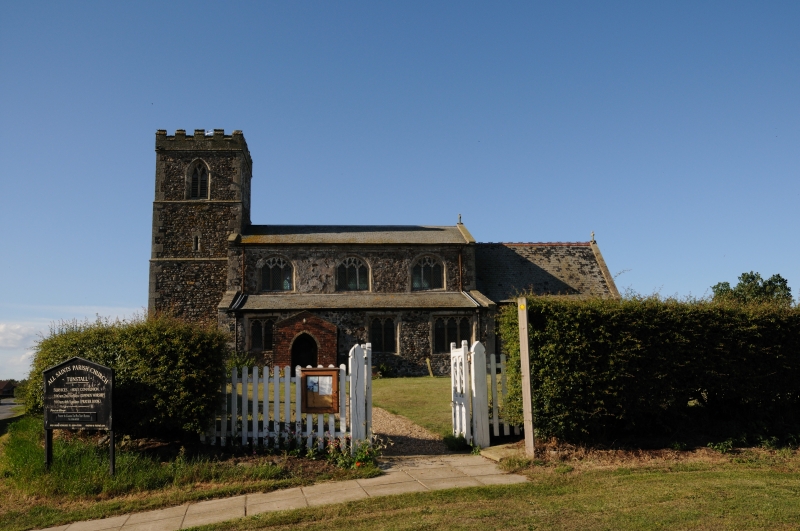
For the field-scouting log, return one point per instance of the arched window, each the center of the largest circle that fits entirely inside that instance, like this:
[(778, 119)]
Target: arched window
[(198, 188), (448, 330), (261, 335), (427, 273), (352, 275), (276, 274), (382, 336)]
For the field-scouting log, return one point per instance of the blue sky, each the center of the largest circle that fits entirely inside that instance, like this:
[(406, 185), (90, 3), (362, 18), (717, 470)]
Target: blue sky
[(671, 130)]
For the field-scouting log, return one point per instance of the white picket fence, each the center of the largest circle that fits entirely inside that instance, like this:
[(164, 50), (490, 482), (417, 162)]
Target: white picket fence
[(472, 390), (258, 407)]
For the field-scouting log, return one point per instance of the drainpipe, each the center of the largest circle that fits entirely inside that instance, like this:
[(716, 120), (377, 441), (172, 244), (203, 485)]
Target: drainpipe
[(460, 274), (242, 270)]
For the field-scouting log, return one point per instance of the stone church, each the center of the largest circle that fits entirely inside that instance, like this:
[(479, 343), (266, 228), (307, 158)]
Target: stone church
[(305, 294)]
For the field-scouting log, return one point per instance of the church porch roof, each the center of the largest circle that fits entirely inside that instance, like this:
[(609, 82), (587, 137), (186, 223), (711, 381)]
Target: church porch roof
[(361, 301)]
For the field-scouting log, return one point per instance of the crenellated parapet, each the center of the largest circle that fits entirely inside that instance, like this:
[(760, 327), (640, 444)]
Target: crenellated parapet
[(201, 140)]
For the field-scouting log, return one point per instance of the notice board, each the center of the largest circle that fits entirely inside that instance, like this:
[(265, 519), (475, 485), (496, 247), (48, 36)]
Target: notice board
[(77, 395), (320, 390)]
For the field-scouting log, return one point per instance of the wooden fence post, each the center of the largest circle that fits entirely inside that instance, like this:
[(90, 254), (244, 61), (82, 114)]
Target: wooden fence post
[(525, 369)]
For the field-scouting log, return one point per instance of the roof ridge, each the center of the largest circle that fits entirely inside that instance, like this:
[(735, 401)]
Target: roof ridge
[(579, 244)]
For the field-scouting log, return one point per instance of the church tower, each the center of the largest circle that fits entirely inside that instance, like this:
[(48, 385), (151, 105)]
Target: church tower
[(202, 196)]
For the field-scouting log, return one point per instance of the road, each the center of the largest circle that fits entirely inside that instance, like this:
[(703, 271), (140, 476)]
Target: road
[(7, 408)]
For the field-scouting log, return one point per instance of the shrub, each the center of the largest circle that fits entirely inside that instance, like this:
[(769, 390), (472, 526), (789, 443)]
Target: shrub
[(644, 367), (167, 373)]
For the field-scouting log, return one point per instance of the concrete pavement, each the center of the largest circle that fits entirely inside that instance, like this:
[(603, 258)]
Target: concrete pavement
[(402, 474)]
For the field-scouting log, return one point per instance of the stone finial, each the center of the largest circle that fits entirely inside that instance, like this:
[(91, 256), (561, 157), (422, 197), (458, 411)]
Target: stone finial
[(592, 237), (459, 219)]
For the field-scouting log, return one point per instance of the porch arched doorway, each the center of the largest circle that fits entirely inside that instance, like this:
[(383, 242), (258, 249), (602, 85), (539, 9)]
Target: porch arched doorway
[(304, 351)]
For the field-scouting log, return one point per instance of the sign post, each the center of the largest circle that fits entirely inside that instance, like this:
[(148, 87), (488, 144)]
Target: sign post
[(525, 369), (77, 396)]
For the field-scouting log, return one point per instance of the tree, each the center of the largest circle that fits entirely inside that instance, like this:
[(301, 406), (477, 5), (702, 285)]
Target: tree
[(753, 288)]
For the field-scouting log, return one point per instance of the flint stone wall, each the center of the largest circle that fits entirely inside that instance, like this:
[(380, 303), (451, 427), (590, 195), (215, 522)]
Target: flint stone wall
[(315, 267), (187, 289)]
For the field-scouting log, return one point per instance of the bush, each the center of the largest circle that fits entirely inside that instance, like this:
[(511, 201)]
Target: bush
[(167, 373), (645, 367)]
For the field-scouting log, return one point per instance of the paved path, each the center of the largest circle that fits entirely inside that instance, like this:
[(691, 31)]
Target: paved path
[(7, 406), (403, 474)]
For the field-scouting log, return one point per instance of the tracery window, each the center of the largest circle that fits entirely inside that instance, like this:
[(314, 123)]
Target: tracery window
[(448, 330), (352, 275), (199, 182), (276, 274), (261, 334), (427, 273), (382, 335)]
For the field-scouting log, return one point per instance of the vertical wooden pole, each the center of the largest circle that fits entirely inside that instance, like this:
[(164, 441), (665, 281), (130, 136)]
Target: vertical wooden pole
[(525, 369), (48, 448), (113, 456)]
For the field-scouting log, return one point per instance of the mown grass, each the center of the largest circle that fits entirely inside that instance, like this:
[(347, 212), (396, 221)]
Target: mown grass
[(79, 487), (424, 401), (684, 497), (80, 469)]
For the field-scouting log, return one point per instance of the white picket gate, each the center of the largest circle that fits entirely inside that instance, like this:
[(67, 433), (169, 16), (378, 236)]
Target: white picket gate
[(471, 393), (258, 406)]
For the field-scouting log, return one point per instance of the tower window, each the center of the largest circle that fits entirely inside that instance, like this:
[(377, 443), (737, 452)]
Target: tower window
[(199, 185), (448, 330), (196, 243), (382, 336), (352, 275), (427, 273), (276, 275)]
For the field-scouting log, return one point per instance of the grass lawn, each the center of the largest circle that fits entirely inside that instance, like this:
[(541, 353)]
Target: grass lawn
[(424, 401), (761, 494), (78, 486)]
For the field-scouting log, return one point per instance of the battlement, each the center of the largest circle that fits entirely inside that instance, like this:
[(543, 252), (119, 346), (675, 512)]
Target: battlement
[(201, 141)]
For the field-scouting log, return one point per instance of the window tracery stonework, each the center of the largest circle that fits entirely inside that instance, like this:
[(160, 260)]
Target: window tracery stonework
[(276, 274), (427, 274), (352, 274)]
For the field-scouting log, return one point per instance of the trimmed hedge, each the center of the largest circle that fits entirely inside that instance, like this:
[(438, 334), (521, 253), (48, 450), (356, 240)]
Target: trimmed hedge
[(167, 372), (646, 367)]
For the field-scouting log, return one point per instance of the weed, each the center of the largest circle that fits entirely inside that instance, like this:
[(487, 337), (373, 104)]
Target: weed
[(723, 447), (563, 469), (456, 444), (769, 443), (515, 463)]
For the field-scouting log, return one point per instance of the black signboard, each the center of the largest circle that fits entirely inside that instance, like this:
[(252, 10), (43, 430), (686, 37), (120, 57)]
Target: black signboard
[(77, 395)]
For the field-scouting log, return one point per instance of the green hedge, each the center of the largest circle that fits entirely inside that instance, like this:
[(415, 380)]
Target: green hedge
[(167, 372), (610, 369)]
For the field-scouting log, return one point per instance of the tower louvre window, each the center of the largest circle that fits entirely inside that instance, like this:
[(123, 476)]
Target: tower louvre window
[(199, 185)]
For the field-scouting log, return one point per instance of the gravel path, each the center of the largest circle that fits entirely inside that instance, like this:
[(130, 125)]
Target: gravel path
[(407, 437)]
